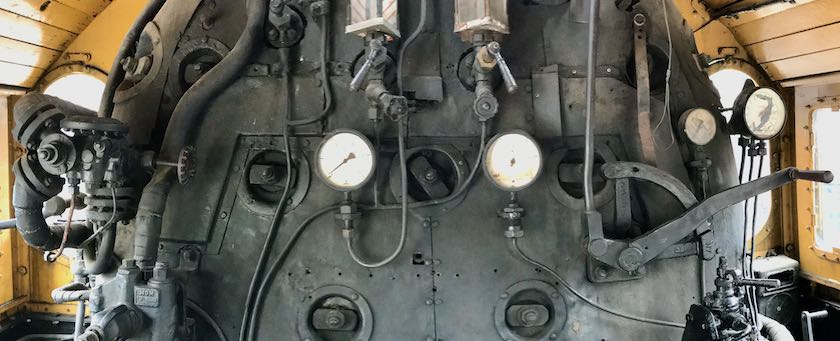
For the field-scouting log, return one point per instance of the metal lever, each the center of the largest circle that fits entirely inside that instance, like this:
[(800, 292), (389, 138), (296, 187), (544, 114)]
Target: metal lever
[(631, 255), (376, 50), (760, 282), (807, 323), (494, 49), (816, 176)]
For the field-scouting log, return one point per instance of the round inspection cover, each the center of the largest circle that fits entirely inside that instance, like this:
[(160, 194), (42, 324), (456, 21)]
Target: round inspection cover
[(531, 293), (263, 198), (451, 171), (565, 194), (335, 296)]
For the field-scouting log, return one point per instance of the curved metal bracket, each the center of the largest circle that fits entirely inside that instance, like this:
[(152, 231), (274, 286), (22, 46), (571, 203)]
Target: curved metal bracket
[(633, 254)]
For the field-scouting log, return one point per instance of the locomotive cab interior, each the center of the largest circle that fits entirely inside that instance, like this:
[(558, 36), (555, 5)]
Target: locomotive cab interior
[(430, 170)]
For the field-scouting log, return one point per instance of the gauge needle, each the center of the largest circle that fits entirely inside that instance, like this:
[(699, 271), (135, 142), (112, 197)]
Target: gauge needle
[(349, 157), (766, 113), (700, 126)]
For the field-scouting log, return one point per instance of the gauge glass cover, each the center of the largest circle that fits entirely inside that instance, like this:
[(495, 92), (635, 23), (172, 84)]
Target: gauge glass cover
[(699, 126), (513, 161), (764, 113), (345, 160)]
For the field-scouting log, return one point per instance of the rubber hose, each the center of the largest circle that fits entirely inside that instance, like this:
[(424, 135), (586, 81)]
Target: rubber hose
[(773, 330), (101, 261), (28, 204), (150, 217), (185, 118), (191, 107), (117, 73)]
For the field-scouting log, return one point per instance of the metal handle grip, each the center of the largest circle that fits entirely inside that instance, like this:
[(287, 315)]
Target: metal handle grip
[(356, 83), (507, 75), (816, 176), (376, 49), (760, 282)]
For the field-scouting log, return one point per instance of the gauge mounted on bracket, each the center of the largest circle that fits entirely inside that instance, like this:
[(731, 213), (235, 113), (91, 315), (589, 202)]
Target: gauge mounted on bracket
[(513, 160), (759, 112), (698, 126), (345, 160)]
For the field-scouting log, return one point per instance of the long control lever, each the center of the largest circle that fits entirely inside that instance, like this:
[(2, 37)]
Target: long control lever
[(635, 253), (376, 50)]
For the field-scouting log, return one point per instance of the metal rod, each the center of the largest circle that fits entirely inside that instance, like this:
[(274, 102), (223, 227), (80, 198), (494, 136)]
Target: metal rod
[(591, 61)]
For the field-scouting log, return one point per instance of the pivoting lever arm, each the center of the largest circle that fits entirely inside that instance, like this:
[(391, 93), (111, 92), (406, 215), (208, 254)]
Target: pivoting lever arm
[(633, 254), (376, 50), (494, 48)]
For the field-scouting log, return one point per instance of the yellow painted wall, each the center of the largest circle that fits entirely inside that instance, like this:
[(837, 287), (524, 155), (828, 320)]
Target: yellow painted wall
[(102, 38), (26, 280)]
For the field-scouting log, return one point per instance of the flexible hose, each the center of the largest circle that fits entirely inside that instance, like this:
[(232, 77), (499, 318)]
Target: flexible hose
[(50, 256), (281, 259), (460, 191), (248, 328), (191, 108), (117, 73), (404, 214), (99, 260), (112, 220), (589, 139), (182, 125), (514, 247), (328, 100), (773, 330), (753, 300), (420, 25), (207, 318)]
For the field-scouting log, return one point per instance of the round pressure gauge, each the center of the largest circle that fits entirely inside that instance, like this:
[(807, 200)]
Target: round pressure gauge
[(698, 125), (513, 160), (760, 113), (345, 160)]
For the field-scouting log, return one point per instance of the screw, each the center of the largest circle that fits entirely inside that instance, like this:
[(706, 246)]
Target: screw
[(429, 302), (43, 153), (529, 316), (268, 173), (601, 272)]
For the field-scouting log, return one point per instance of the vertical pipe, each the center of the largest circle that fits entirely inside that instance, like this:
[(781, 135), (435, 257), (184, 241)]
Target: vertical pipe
[(579, 11), (591, 61), (79, 328)]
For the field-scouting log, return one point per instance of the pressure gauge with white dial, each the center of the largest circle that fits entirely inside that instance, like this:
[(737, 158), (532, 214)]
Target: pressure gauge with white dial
[(760, 113), (698, 125), (513, 160), (345, 160)]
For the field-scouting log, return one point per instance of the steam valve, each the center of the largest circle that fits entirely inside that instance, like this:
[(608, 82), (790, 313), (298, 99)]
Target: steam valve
[(494, 49)]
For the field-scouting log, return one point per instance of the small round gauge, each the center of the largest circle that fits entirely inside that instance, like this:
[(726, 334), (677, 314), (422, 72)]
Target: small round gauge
[(758, 112), (698, 125), (345, 160), (513, 160), (765, 113)]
